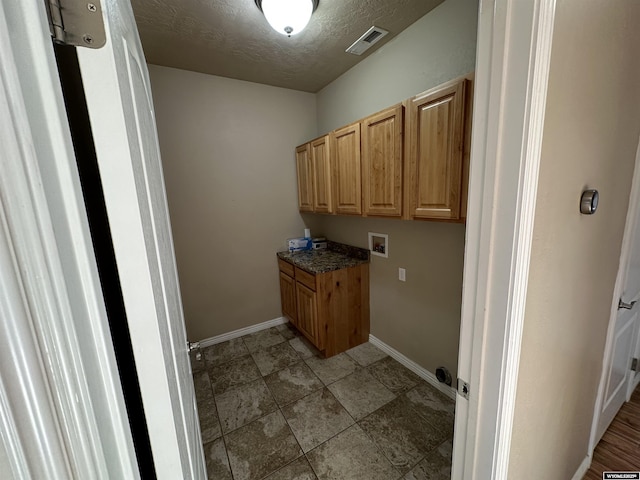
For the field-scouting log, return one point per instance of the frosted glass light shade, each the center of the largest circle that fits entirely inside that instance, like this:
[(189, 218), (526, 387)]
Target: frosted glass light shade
[(288, 17)]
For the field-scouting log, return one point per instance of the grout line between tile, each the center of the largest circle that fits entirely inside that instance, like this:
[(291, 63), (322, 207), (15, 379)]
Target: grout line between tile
[(226, 452), (282, 467)]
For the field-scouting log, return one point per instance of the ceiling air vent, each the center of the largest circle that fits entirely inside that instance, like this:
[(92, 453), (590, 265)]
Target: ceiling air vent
[(367, 40)]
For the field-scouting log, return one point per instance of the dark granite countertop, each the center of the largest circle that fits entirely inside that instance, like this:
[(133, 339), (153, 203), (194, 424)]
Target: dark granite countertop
[(335, 257)]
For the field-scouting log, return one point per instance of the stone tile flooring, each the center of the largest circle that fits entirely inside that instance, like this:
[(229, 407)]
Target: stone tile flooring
[(270, 408)]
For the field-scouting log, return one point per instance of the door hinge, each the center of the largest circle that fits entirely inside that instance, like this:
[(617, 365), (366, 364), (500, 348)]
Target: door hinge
[(463, 388), (634, 364), (76, 22)]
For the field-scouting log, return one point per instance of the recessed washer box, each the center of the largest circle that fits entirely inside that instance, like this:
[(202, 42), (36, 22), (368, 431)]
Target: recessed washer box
[(379, 244)]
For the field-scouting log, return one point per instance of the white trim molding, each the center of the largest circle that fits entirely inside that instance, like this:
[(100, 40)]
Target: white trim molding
[(583, 468), (58, 375), (45, 399), (512, 69), (414, 367), (207, 342)]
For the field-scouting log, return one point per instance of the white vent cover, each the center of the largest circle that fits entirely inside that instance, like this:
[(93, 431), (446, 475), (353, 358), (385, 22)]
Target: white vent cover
[(367, 40)]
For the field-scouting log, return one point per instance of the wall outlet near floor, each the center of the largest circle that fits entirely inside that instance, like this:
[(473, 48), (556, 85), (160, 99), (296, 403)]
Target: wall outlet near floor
[(402, 275)]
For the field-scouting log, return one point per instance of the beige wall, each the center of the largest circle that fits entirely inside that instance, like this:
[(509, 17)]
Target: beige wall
[(227, 151), (419, 317), (590, 138)]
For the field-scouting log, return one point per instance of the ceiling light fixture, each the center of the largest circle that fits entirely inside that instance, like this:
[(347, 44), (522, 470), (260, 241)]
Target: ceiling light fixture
[(288, 17)]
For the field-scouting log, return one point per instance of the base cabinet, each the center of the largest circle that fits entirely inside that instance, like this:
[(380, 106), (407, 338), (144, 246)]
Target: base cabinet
[(288, 298), (331, 309), (307, 314)]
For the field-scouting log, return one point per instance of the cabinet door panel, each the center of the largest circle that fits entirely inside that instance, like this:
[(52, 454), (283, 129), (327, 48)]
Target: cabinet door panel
[(305, 178), (321, 161), (436, 151), (382, 162), (347, 189), (307, 312), (288, 298)]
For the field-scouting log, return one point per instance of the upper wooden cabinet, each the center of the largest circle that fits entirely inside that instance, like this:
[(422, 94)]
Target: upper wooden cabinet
[(321, 163), (435, 122), (382, 144), (305, 178), (409, 161), (345, 152)]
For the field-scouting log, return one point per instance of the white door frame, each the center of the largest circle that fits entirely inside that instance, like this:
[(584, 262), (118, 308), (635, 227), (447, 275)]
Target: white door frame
[(514, 43), (627, 239), (512, 70), (62, 411)]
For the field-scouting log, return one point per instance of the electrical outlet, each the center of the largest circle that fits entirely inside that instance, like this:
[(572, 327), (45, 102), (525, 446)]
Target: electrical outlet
[(402, 275)]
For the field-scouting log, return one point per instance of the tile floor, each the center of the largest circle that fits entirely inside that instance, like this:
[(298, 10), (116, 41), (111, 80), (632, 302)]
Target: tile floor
[(270, 408)]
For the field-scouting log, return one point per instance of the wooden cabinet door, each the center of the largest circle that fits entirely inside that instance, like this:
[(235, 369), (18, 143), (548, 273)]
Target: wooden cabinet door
[(345, 151), (305, 178), (288, 297), (382, 162), (321, 162), (436, 129), (307, 312)]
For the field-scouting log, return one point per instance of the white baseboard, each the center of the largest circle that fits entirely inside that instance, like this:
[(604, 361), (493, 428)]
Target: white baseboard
[(207, 342), (414, 367), (582, 469)]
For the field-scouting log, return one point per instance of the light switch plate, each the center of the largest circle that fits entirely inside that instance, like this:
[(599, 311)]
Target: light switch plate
[(402, 275)]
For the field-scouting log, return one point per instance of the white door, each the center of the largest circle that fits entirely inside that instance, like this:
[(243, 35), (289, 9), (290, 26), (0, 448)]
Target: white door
[(118, 94), (618, 378), (631, 293)]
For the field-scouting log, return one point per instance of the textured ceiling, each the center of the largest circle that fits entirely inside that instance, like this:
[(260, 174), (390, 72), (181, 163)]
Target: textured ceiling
[(231, 38)]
